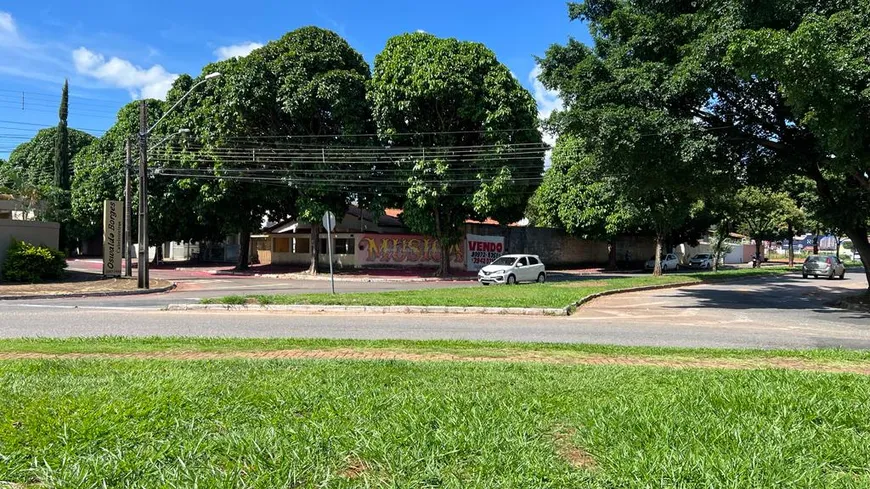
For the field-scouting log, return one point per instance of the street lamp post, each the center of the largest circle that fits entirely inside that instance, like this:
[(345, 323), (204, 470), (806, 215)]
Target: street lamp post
[(144, 132)]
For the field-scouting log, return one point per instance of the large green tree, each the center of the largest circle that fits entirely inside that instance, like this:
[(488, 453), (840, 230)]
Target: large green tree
[(764, 215), (783, 84), (475, 150), (577, 197), (263, 115), (34, 159), (62, 169)]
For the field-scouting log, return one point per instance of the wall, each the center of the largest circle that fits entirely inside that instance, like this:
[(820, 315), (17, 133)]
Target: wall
[(558, 249), (38, 233)]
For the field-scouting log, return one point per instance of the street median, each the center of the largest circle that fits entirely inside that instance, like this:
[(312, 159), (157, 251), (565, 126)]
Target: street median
[(551, 299)]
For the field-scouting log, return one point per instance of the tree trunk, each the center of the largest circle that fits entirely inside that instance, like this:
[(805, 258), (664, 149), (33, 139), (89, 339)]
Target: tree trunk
[(314, 249), (444, 266), (838, 246), (611, 254), (816, 242), (862, 246), (790, 246), (244, 250), (758, 244), (657, 271)]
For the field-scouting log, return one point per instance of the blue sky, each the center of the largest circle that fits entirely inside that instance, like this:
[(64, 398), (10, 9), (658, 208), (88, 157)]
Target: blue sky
[(114, 51)]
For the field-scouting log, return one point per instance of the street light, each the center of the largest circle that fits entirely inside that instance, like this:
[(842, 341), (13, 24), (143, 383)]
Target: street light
[(167, 138), (144, 132)]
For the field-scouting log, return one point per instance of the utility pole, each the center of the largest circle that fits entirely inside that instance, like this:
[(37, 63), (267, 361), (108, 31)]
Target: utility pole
[(143, 195), (128, 211)]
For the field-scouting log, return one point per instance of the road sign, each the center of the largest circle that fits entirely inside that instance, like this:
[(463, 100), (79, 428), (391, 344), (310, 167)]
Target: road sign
[(329, 221), (329, 224)]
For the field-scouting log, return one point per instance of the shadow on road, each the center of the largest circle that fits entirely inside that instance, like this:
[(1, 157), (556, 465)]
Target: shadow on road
[(787, 293)]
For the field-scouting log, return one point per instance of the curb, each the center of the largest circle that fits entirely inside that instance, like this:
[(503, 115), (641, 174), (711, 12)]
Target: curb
[(119, 293), (312, 309)]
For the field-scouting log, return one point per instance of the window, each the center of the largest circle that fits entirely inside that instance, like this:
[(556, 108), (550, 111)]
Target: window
[(533, 261), (342, 246), (281, 245), (522, 262), (302, 245)]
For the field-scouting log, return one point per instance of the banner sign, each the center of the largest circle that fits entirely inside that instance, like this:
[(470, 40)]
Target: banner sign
[(480, 251), (407, 249), (113, 231)]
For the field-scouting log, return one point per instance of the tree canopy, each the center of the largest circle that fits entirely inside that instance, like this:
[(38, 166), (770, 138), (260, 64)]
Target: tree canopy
[(773, 88), (307, 88), (477, 127), (34, 159)]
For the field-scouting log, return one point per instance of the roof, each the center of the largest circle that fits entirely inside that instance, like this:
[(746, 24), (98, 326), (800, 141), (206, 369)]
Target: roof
[(385, 220)]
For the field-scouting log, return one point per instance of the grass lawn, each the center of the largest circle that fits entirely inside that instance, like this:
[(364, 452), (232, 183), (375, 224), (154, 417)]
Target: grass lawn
[(550, 295), (250, 423)]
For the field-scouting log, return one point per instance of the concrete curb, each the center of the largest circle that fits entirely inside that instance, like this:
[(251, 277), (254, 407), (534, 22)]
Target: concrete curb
[(119, 293), (313, 309)]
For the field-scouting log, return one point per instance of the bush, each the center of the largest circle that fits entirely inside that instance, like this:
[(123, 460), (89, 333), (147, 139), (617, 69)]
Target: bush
[(29, 263)]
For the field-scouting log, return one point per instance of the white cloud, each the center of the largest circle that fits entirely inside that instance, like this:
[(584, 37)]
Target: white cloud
[(236, 50), (152, 82), (9, 31), (7, 24), (421, 31), (548, 101)]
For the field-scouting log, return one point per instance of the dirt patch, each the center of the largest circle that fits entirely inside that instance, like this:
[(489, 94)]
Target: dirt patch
[(530, 357), (575, 456), (355, 468), (859, 302), (582, 284), (76, 283)]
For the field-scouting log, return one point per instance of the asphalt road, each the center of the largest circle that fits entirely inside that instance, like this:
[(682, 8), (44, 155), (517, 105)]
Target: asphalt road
[(771, 313)]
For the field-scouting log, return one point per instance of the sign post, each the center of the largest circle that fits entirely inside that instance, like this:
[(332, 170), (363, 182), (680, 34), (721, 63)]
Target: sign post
[(113, 228), (329, 224)]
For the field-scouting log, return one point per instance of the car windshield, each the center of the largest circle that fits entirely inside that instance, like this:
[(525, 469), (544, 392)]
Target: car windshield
[(702, 257), (505, 261), (815, 259)]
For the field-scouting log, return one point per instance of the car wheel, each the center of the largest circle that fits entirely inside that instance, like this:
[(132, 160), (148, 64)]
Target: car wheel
[(843, 276), (815, 276), (664, 267), (542, 278), (831, 276), (805, 275), (511, 280)]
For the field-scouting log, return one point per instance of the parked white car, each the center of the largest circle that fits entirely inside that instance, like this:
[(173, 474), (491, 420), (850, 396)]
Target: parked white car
[(702, 260), (669, 262), (512, 269)]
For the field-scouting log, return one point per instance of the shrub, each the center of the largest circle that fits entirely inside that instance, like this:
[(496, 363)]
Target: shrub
[(30, 263)]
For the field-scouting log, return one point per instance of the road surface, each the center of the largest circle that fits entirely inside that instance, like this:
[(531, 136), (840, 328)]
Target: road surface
[(785, 312)]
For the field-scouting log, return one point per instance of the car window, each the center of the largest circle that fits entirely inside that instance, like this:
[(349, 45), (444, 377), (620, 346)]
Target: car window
[(504, 261), (671, 257), (522, 262), (533, 261)]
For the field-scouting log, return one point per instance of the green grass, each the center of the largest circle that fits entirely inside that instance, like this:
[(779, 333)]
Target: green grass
[(550, 295), (236, 423)]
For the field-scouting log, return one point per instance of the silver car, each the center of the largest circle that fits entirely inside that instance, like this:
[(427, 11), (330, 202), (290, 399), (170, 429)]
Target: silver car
[(824, 266)]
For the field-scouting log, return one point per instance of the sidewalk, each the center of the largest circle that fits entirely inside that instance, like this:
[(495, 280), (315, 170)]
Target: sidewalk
[(76, 283)]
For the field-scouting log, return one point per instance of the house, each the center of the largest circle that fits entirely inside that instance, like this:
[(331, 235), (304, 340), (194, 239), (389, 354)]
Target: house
[(288, 242), (14, 224)]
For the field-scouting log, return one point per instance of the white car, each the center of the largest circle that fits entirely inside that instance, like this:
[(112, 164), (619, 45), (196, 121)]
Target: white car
[(669, 262), (512, 269), (701, 260)]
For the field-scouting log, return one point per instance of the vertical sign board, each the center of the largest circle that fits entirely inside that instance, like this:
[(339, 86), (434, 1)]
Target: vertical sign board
[(113, 237), (480, 251)]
